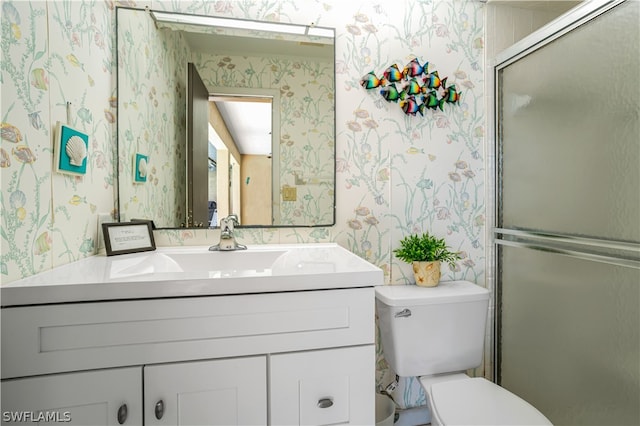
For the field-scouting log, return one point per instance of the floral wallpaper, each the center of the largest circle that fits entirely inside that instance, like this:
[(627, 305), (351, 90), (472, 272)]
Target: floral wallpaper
[(396, 174), (152, 118), (57, 65)]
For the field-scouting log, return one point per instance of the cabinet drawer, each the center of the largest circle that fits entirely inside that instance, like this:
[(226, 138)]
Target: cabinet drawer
[(328, 387), (58, 338)]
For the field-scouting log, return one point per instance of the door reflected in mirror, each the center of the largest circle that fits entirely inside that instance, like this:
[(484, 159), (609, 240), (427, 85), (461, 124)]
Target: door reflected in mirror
[(221, 171)]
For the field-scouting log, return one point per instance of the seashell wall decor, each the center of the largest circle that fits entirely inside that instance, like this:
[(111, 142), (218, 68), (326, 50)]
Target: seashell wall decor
[(140, 167), (76, 150), (71, 149)]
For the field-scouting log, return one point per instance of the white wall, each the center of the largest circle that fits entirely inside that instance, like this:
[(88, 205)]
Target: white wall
[(510, 21)]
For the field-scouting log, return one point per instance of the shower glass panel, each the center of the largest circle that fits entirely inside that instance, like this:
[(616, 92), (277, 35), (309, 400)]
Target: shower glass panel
[(570, 337), (568, 219), (570, 131)]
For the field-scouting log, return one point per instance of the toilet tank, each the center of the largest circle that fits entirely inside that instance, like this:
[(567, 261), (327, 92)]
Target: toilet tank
[(432, 330)]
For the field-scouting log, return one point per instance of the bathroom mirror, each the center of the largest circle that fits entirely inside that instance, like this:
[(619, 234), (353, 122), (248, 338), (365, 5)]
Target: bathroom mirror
[(292, 67)]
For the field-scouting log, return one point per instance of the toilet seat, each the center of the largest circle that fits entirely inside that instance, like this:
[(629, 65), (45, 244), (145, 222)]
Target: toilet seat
[(477, 401)]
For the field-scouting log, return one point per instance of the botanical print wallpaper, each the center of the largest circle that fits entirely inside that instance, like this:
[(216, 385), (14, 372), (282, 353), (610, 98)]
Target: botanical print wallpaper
[(151, 118), (57, 65), (396, 174)]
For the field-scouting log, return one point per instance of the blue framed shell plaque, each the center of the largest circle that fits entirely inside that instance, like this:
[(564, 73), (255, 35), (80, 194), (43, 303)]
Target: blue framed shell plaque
[(140, 165), (72, 148)]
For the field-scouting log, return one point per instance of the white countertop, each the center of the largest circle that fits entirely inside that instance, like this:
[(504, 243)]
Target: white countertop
[(195, 271)]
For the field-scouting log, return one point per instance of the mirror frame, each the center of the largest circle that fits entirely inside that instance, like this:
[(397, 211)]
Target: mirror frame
[(220, 90)]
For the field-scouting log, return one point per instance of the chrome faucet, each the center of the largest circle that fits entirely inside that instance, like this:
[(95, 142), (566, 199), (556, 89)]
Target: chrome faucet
[(227, 239)]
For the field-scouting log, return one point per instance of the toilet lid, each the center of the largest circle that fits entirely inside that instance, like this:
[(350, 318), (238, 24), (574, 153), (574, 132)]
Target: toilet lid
[(478, 401), (445, 292)]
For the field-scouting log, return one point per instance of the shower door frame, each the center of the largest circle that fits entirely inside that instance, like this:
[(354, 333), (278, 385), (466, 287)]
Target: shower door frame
[(573, 19)]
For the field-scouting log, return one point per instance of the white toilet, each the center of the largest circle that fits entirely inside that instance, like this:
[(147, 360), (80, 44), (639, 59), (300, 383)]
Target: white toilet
[(436, 334)]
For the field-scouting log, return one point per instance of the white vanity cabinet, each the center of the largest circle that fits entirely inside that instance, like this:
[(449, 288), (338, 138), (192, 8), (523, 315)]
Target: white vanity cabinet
[(102, 397), (326, 387), (214, 392), (302, 357)]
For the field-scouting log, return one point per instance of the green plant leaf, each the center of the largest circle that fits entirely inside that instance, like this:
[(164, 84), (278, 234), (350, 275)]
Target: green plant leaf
[(425, 247)]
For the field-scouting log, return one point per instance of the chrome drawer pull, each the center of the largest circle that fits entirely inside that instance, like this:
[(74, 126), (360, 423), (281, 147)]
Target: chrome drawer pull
[(325, 403)]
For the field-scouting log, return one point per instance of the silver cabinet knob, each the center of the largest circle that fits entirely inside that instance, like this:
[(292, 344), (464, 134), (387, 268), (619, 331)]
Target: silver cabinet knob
[(159, 409), (123, 412), (325, 403)]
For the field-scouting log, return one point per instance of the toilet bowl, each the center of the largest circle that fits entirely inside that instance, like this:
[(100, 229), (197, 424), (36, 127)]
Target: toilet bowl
[(437, 333)]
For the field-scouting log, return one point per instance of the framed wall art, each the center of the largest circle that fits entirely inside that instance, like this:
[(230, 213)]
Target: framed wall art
[(71, 150), (140, 163)]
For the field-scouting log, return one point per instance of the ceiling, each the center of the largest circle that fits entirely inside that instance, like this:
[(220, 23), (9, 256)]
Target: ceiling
[(221, 44), (249, 124)]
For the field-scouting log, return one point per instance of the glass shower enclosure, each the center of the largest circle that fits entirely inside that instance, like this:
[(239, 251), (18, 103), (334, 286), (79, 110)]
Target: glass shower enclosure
[(567, 220)]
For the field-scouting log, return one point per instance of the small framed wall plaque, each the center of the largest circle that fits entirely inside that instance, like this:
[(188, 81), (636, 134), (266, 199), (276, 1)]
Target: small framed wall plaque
[(128, 237)]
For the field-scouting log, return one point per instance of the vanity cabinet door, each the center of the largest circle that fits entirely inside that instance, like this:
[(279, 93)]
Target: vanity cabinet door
[(104, 397), (226, 392), (324, 387)]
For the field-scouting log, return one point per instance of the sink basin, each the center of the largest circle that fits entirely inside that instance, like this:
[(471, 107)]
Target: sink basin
[(175, 261), (225, 260)]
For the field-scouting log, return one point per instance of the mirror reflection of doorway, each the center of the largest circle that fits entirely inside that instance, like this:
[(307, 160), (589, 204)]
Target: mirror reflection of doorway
[(248, 121), (229, 167)]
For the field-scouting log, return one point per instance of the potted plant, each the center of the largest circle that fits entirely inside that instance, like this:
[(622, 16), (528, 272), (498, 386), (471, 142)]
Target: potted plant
[(425, 252)]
